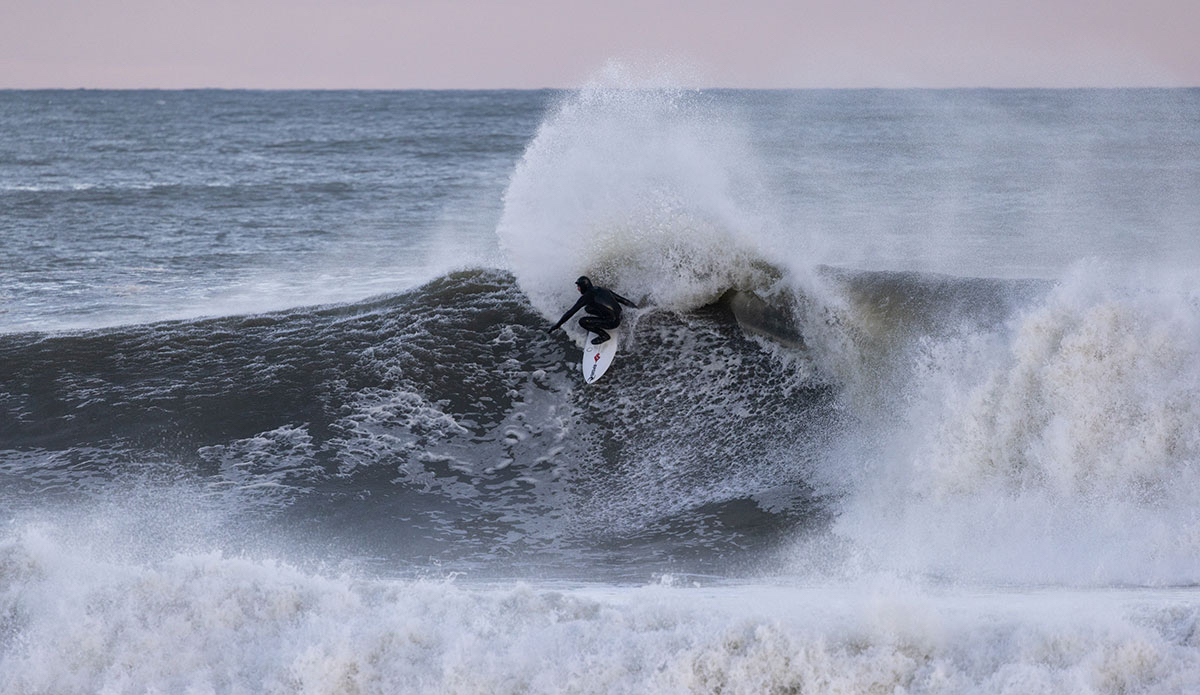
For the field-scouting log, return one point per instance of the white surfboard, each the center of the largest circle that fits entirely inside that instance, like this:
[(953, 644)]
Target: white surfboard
[(598, 358)]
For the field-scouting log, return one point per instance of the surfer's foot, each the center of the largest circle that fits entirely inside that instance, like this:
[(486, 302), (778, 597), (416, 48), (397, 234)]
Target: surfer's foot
[(600, 338)]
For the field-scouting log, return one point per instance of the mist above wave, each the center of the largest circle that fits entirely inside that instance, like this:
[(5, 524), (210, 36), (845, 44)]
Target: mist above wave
[(656, 191)]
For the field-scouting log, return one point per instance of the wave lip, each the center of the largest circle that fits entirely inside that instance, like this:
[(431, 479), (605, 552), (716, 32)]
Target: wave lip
[(654, 191)]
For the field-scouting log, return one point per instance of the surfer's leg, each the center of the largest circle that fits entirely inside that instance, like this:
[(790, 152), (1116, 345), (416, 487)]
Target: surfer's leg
[(596, 325)]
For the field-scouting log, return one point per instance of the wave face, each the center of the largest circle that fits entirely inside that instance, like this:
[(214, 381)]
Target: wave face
[(442, 423)]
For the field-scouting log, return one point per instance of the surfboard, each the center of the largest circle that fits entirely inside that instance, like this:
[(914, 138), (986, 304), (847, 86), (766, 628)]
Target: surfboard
[(598, 358)]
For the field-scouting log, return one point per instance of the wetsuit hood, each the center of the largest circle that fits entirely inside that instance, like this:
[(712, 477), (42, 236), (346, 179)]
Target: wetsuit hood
[(583, 283)]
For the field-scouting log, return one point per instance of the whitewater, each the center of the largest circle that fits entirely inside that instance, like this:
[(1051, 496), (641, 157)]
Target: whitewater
[(912, 403)]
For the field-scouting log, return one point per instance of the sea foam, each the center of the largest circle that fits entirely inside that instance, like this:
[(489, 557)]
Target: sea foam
[(72, 621), (1061, 446)]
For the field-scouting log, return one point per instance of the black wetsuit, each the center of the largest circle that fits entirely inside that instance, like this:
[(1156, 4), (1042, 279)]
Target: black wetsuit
[(602, 305)]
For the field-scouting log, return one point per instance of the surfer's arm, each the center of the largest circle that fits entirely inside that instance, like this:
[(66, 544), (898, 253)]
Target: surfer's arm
[(625, 301), (570, 312)]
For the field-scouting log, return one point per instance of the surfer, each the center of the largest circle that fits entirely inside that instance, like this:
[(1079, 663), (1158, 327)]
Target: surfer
[(603, 305)]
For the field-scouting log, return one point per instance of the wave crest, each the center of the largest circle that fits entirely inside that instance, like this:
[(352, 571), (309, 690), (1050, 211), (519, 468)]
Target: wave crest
[(654, 191)]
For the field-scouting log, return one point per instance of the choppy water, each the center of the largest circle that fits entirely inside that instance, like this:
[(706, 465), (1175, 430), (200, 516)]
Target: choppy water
[(911, 403)]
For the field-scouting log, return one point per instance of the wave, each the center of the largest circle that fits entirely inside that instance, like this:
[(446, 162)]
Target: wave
[(766, 414), (1050, 417), (1058, 446), (769, 431)]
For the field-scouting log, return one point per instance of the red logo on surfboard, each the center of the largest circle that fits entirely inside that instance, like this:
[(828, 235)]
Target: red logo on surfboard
[(596, 358)]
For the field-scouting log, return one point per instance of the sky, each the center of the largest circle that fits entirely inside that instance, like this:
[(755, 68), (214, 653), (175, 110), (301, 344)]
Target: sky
[(457, 44)]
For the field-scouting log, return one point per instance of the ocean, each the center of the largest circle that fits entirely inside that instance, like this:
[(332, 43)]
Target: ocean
[(911, 403)]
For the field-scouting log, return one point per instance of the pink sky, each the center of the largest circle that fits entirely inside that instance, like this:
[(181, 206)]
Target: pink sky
[(559, 43)]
